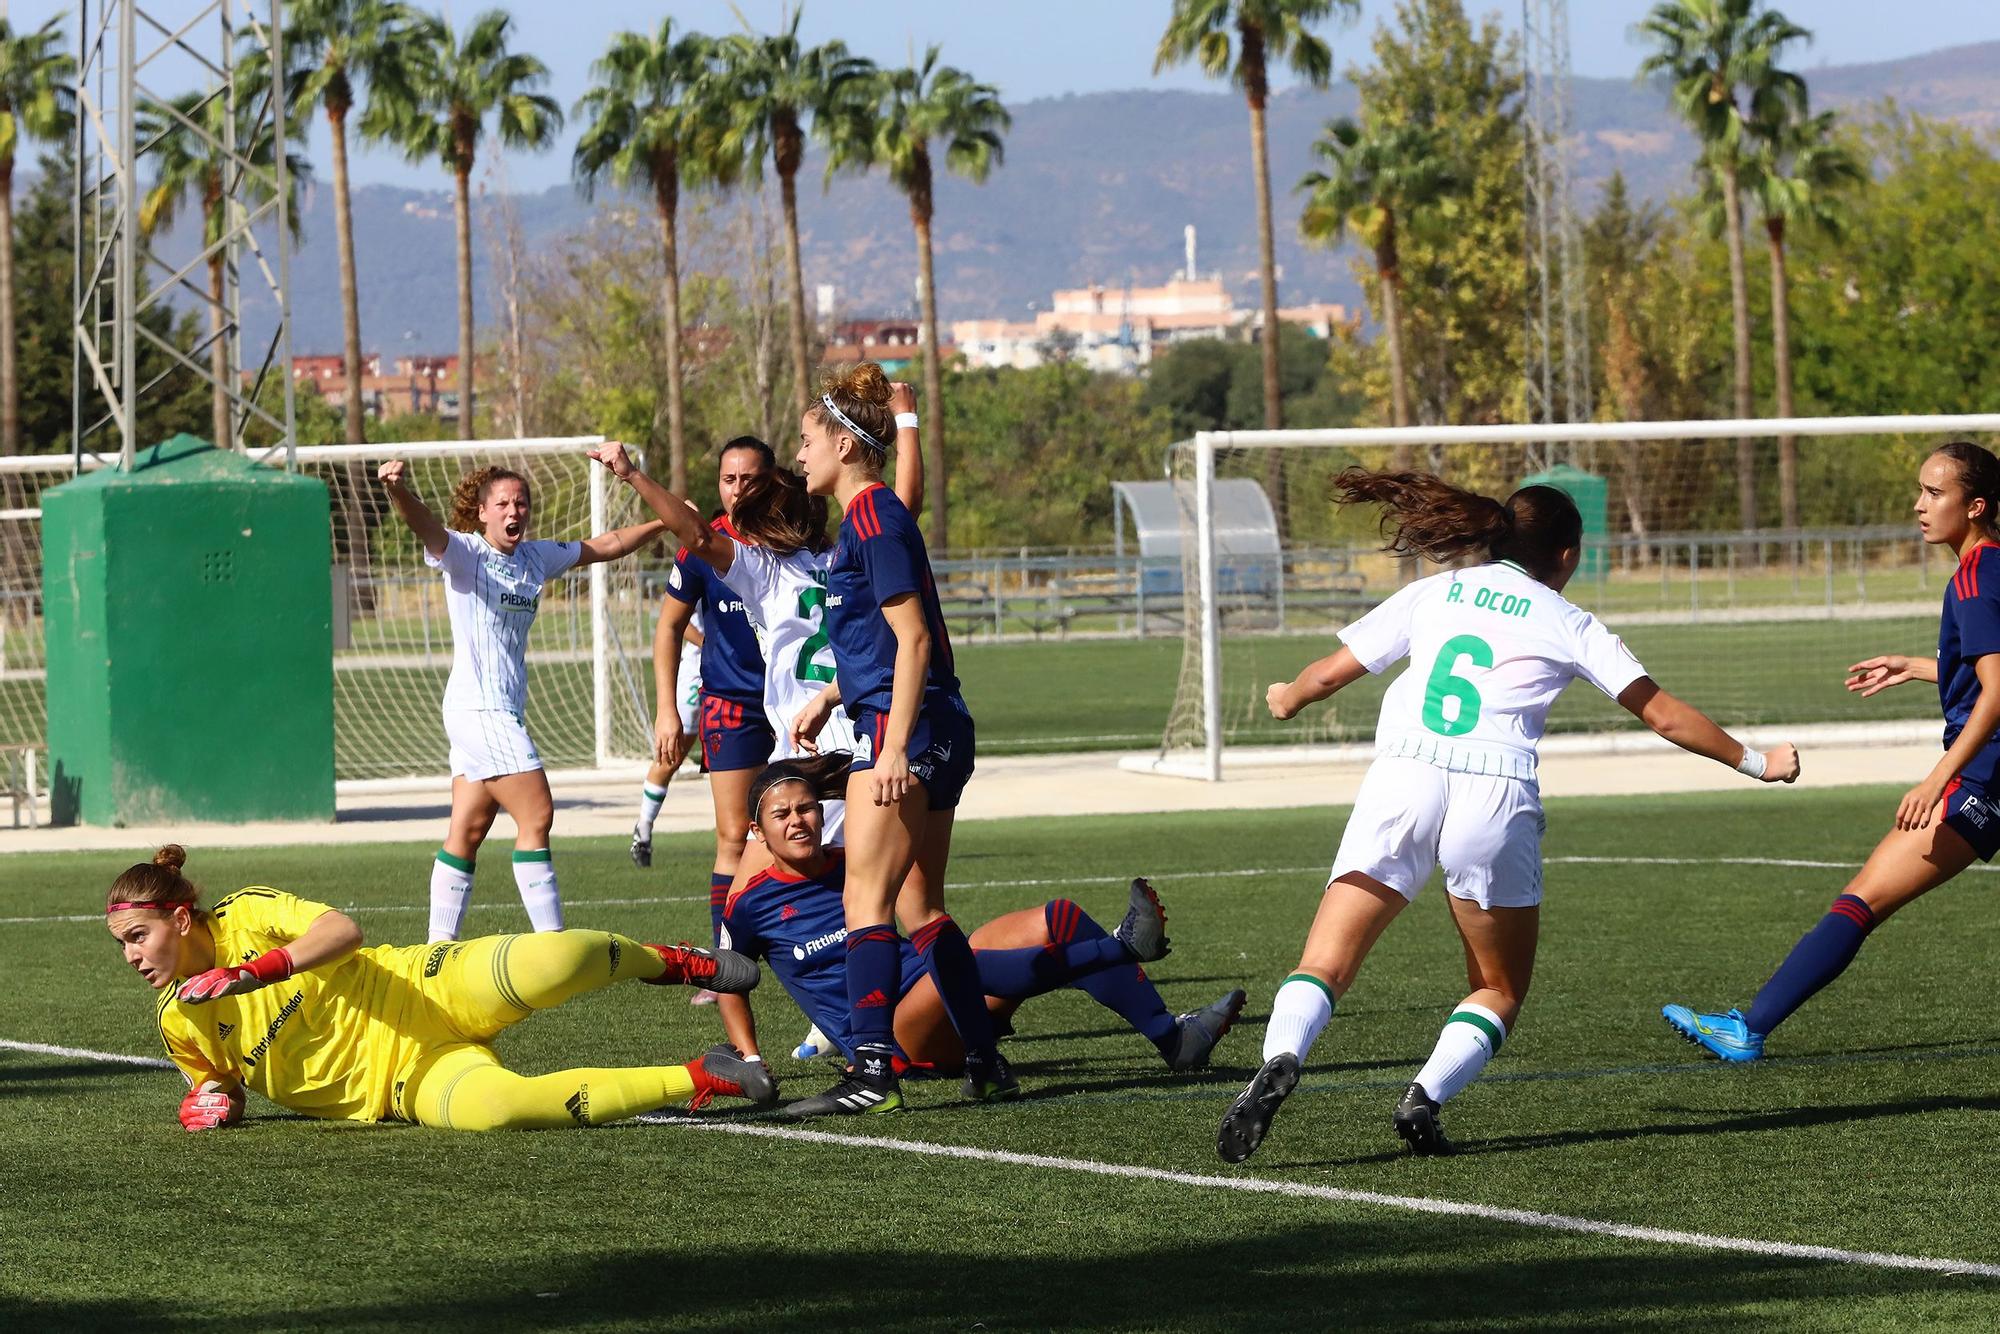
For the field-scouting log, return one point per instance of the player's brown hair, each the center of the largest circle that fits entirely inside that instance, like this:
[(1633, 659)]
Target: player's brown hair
[(774, 510), (825, 774), (470, 494), (1979, 475), (862, 393), (1425, 515), (157, 881)]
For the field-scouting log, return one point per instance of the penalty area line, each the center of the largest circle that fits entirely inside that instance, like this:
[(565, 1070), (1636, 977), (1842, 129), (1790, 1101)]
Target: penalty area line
[(1780, 1250)]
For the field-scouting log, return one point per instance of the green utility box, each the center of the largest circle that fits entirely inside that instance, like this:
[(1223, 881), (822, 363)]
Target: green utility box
[(1591, 494), (188, 609)]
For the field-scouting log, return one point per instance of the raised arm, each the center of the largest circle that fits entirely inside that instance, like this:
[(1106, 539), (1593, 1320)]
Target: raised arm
[(909, 448), (1320, 680), (676, 515), (1692, 730), (410, 509)]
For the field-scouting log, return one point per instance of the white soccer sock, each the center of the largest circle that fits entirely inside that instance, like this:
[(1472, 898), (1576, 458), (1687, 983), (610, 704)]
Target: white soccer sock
[(535, 877), (1298, 1013), (1470, 1037), (451, 895), (650, 800)]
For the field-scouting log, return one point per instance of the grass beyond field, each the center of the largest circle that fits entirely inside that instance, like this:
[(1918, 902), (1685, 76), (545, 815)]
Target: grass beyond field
[(1868, 1130)]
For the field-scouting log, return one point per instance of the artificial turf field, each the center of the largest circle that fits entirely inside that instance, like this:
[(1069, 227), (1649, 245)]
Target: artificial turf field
[(1870, 1129)]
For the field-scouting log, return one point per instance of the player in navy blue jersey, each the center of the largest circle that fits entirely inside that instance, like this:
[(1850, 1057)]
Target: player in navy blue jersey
[(1948, 819), (791, 916), (893, 673)]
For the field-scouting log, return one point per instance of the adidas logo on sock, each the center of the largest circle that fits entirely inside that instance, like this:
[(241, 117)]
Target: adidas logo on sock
[(874, 1000)]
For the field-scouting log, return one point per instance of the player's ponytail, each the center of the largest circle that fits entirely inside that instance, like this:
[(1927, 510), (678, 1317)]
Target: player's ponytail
[(1424, 515), (157, 884), (470, 494), (855, 402), (1979, 476), (825, 774), (774, 510)]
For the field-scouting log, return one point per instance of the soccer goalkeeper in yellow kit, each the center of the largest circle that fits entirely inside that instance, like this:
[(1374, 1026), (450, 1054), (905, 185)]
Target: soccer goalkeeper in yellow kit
[(271, 992)]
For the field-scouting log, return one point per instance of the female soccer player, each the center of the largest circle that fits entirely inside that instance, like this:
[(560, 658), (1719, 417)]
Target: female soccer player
[(1453, 782), (893, 672), (791, 914), (269, 992), (1945, 821), (493, 578)]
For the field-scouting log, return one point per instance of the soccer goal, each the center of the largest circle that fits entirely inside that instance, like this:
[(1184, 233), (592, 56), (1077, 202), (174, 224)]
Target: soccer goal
[(589, 659), (1746, 563)]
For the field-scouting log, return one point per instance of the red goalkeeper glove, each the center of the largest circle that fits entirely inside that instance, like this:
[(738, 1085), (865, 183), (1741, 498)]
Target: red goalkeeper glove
[(274, 966), (204, 1109)]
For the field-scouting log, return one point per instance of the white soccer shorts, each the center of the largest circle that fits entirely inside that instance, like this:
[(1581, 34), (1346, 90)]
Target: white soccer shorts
[(687, 686), (489, 743), (1485, 830)]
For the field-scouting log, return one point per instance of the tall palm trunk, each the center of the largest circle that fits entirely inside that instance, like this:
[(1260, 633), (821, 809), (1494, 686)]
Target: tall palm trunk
[(789, 149), (1781, 350), (1391, 270), (350, 297), (934, 466), (462, 209), (666, 194), (1739, 312), (10, 388), (218, 355), (1256, 91)]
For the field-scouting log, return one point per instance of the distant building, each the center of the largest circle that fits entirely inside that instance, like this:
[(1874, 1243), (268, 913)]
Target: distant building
[(421, 383), (894, 343)]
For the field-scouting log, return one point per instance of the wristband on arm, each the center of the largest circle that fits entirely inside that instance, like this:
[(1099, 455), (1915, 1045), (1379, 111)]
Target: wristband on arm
[(1752, 764), (906, 421), (271, 966)]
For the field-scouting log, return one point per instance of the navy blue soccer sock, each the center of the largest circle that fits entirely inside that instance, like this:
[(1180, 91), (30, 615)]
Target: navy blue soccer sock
[(1821, 955), (944, 950), (874, 981), (1081, 954), (718, 899)]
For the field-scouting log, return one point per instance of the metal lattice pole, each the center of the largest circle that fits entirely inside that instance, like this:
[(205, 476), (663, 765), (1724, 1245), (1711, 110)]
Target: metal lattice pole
[(1557, 342)]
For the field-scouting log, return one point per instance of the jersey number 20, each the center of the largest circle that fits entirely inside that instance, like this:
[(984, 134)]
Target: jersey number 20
[(812, 605), (1444, 685)]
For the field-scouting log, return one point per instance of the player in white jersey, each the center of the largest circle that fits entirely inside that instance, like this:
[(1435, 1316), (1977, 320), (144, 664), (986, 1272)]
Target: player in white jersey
[(494, 575), (1453, 783)]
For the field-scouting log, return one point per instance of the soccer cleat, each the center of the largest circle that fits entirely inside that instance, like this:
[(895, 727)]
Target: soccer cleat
[(1723, 1036), (722, 1071), (725, 971), (1416, 1120), (1248, 1119), (856, 1095), (642, 849), (815, 1043), (1201, 1029), (1143, 933), (995, 1083)]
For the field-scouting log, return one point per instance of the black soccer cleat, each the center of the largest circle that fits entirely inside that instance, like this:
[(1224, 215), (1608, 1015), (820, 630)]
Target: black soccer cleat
[(724, 1071), (991, 1082), (855, 1095), (725, 971), (1200, 1030), (1248, 1119), (642, 850), (1416, 1121), (1143, 933)]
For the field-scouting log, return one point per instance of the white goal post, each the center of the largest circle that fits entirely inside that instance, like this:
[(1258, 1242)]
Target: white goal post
[(1672, 532)]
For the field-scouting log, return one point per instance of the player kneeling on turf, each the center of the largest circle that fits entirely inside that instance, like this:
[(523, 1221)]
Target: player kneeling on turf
[(269, 992), (1453, 782), (791, 916)]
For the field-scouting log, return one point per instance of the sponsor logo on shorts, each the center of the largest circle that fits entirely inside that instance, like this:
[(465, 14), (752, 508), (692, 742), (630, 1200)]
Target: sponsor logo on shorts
[(436, 960), (1974, 812), (615, 952), (864, 748)]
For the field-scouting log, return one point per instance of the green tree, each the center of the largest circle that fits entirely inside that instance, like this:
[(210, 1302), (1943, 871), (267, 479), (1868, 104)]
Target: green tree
[(36, 102), (1721, 57), (649, 125), (1239, 39), (183, 138), (774, 85), (454, 81), (1207, 384), (913, 108)]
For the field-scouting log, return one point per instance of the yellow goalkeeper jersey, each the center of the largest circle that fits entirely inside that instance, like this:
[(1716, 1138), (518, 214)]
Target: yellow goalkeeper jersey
[(336, 1041)]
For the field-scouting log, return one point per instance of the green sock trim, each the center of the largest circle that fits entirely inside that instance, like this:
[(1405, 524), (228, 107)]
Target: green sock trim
[(455, 863), (654, 793), (1480, 1022), (532, 855), (1331, 1000)]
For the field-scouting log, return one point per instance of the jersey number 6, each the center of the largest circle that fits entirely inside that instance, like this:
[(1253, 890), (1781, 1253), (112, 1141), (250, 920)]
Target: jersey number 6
[(1443, 685)]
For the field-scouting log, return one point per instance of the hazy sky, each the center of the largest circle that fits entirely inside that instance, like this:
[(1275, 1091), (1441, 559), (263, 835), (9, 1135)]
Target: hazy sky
[(1045, 48)]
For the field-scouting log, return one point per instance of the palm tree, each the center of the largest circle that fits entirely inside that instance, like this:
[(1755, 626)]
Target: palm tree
[(1377, 178), (772, 85), (646, 124), (1238, 38), (915, 106), (1722, 58), (332, 46), (1795, 173), (437, 112), (36, 102), (184, 140)]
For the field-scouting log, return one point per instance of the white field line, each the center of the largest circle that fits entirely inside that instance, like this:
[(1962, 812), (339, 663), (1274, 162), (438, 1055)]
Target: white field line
[(1246, 1184)]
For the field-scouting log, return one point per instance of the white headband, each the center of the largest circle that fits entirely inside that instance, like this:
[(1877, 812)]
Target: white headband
[(849, 423)]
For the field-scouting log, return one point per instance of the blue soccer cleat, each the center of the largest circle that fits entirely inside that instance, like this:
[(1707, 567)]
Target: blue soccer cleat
[(1723, 1036)]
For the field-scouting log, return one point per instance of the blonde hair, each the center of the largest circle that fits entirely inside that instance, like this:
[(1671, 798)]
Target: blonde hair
[(862, 393), (470, 494), (158, 881)]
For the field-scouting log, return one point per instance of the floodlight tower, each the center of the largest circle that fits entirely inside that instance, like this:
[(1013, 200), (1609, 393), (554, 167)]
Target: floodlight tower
[(125, 49), (1557, 346)]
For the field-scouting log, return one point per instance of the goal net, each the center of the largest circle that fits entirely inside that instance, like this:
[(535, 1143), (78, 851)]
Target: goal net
[(1752, 621), (590, 685)]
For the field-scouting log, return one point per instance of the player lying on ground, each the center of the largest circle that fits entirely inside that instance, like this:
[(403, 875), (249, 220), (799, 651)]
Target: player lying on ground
[(791, 916), (1453, 783), (1948, 819), (269, 992), (493, 578)]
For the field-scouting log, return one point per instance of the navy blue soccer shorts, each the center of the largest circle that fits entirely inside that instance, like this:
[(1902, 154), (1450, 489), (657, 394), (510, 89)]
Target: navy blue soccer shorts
[(734, 735), (940, 750), (1973, 816)]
